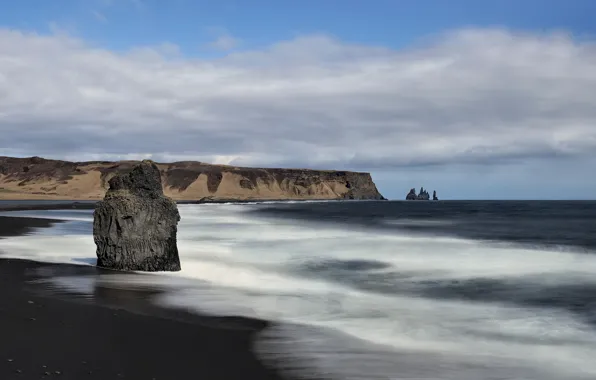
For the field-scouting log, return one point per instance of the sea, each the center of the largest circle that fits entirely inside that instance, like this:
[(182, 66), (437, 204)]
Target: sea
[(373, 290)]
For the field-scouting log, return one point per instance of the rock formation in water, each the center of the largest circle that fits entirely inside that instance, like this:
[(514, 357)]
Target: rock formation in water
[(423, 195), (39, 178), (135, 226), (435, 198)]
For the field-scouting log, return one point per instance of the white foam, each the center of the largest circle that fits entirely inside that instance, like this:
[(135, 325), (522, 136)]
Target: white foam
[(69, 249), (237, 263)]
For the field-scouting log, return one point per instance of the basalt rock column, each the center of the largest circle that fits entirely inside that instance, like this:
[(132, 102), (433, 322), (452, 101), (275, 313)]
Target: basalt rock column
[(135, 226)]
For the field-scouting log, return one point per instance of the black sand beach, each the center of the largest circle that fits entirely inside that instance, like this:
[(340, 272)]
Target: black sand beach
[(6, 205), (14, 226), (50, 335)]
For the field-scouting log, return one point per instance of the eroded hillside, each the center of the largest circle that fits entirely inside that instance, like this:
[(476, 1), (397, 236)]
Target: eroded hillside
[(39, 178)]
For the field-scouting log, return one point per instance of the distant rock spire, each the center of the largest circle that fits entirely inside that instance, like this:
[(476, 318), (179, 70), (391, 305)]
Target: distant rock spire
[(423, 195), (411, 195)]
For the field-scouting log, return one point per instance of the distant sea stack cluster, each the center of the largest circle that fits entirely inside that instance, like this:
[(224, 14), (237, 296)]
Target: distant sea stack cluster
[(423, 195), (40, 178)]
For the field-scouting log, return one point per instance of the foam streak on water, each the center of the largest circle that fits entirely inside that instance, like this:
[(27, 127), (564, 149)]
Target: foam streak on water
[(360, 303)]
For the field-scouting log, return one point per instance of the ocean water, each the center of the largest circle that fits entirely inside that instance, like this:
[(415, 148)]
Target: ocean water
[(377, 290)]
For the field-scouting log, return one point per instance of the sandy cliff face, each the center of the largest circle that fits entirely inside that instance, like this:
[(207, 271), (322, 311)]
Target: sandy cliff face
[(38, 178)]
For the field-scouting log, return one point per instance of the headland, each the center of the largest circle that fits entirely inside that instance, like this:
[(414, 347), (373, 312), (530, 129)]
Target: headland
[(45, 179)]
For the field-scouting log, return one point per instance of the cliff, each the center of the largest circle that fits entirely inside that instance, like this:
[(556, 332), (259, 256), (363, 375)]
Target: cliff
[(39, 178)]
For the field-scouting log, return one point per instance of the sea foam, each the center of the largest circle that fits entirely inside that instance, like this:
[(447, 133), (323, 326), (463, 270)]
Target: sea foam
[(354, 302)]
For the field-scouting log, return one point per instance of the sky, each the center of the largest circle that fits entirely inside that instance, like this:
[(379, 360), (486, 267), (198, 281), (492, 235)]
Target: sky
[(475, 99)]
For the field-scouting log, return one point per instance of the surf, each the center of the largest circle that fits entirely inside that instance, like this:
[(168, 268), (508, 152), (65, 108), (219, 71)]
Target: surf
[(355, 302)]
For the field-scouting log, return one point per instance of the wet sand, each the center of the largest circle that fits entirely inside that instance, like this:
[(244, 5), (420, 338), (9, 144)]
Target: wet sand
[(113, 335), (14, 226), (41, 205)]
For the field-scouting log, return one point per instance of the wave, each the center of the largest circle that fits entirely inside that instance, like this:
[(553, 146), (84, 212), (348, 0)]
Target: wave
[(363, 304)]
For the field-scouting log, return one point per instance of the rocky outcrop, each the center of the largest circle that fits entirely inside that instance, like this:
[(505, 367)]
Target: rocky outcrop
[(423, 195), (360, 186), (412, 195), (135, 225), (39, 178)]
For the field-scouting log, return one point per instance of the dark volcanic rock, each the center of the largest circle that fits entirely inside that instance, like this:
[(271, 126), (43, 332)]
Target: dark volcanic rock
[(135, 225), (423, 195)]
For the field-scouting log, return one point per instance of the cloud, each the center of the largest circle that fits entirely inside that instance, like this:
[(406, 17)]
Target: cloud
[(62, 28), (473, 96), (224, 42), (99, 16)]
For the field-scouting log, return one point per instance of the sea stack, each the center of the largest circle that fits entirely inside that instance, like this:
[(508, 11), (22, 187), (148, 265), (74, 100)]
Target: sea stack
[(135, 225), (423, 195)]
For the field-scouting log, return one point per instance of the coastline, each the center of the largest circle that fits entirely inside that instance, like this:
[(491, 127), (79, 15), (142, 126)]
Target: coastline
[(40, 178), (41, 206), (16, 226), (114, 334), (62, 204)]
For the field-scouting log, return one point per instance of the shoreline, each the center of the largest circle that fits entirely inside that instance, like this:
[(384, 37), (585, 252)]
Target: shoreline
[(18, 226), (46, 204), (60, 204), (116, 333)]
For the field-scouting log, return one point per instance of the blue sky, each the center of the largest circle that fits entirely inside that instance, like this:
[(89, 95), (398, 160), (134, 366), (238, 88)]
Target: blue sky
[(121, 24), (476, 99)]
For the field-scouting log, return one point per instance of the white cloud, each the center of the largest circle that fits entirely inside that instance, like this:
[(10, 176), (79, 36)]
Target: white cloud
[(472, 96), (224, 42), (222, 39), (99, 16), (63, 29)]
